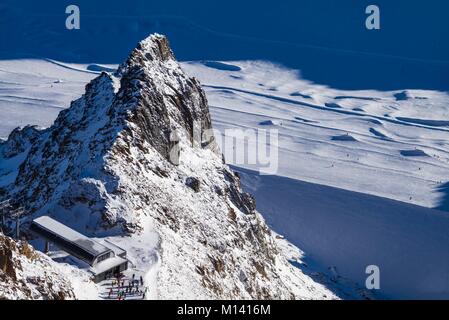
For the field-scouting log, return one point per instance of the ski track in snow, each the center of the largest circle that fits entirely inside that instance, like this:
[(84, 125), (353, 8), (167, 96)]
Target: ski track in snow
[(386, 145)]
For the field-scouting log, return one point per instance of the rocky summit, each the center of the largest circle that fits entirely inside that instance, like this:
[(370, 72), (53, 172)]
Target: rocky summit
[(130, 159)]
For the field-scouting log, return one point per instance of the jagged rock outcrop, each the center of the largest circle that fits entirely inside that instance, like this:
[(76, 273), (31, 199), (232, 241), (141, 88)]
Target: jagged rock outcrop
[(19, 140), (106, 165), (28, 274)]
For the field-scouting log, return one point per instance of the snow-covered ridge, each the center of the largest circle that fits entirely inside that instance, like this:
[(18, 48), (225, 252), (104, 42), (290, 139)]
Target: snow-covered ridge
[(103, 168)]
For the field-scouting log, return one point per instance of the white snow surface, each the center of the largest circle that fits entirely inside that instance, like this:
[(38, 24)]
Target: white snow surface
[(347, 203), (382, 125)]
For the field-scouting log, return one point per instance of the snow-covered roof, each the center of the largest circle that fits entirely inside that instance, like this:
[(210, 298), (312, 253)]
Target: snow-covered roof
[(107, 264), (70, 235), (115, 248)]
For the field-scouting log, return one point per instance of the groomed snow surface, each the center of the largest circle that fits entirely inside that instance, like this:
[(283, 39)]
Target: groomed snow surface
[(362, 177)]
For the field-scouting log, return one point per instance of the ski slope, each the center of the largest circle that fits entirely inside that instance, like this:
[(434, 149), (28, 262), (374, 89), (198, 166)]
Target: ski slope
[(362, 175), (349, 231), (389, 144)]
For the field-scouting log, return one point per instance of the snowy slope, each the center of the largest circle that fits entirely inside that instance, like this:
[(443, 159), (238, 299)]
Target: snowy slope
[(399, 151), (104, 168), (387, 126), (343, 157), (350, 231)]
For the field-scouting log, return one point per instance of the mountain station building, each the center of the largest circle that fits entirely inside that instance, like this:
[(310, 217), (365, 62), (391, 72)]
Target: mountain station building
[(104, 258)]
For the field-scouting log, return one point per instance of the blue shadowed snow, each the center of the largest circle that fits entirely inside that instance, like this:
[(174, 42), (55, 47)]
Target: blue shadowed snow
[(221, 66), (325, 39), (413, 153), (350, 230), (444, 202), (99, 68), (343, 137)]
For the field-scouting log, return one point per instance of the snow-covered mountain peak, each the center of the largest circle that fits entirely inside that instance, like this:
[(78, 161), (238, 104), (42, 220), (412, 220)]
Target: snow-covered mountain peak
[(152, 51), (150, 100), (128, 159), (154, 48)]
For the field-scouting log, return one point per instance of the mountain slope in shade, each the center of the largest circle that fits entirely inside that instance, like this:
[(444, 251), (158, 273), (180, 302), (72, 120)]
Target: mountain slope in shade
[(104, 168)]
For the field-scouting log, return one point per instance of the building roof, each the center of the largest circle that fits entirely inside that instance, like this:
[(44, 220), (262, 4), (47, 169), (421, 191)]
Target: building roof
[(50, 225), (115, 248), (107, 264)]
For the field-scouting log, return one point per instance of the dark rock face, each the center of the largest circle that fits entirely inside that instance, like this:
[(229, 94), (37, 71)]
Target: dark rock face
[(193, 183), (158, 49), (242, 200), (15, 284), (141, 92), (65, 149), (149, 100), (7, 246), (19, 140)]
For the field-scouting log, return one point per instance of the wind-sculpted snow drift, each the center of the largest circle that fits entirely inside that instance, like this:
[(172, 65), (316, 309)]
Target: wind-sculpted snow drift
[(104, 168)]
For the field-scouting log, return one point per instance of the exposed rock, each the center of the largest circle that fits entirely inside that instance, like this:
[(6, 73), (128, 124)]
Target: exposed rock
[(19, 140), (106, 163), (193, 183), (242, 200), (27, 274)]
